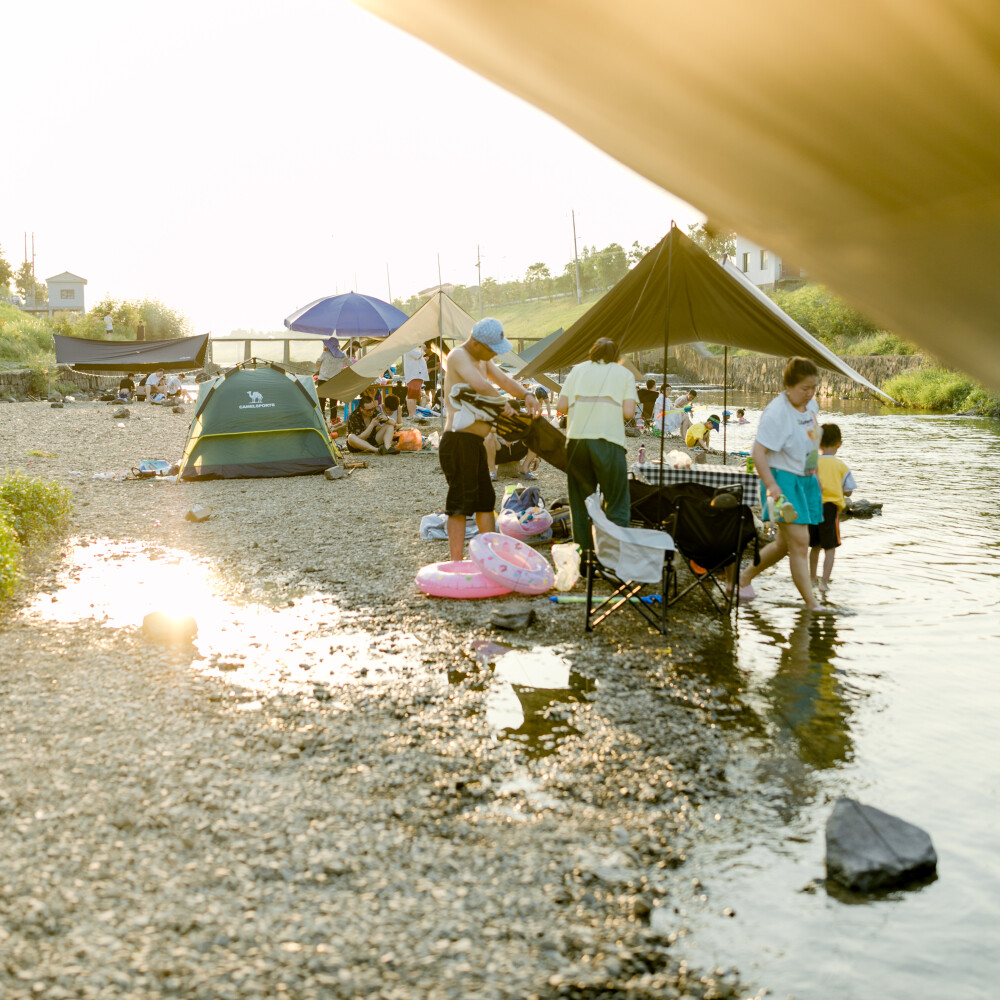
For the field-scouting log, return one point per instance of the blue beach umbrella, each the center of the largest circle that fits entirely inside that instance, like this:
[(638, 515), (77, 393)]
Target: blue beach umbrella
[(347, 315)]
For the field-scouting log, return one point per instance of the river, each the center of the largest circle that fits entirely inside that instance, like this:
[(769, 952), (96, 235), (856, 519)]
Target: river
[(894, 701)]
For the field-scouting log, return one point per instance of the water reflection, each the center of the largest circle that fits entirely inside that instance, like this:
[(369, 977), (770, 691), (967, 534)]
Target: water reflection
[(308, 643), (523, 701), (805, 696)]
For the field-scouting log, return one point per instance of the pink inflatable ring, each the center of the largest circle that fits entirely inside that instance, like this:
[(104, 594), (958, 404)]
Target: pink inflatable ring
[(525, 525), (457, 579), (507, 561)]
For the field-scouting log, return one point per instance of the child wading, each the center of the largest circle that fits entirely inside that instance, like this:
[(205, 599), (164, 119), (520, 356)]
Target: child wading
[(836, 482)]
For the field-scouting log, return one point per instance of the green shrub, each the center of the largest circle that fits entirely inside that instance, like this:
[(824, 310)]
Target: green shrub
[(983, 401), (37, 509), (882, 342), (823, 314), (30, 511), (23, 335), (10, 555), (931, 388)]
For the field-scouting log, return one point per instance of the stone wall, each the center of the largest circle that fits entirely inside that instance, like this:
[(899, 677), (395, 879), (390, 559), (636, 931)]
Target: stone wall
[(762, 373), (17, 381)]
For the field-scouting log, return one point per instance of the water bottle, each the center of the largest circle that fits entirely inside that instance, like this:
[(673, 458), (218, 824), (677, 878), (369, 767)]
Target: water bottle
[(781, 510), (642, 453), (750, 465)]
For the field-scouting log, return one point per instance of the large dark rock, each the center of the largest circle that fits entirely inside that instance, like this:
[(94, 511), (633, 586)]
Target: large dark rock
[(869, 850), (862, 508)]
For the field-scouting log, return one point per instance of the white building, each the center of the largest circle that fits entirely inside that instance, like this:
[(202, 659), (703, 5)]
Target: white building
[(65, 295), (764, 267)]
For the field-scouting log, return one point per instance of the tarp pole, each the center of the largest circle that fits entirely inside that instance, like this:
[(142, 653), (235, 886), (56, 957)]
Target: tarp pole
[(440, 346), (725, 397)]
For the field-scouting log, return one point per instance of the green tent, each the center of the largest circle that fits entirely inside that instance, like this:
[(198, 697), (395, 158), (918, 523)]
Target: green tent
[(256, 420)]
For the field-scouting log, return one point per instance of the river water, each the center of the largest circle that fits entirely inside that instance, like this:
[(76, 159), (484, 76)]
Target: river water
[(894, 701)]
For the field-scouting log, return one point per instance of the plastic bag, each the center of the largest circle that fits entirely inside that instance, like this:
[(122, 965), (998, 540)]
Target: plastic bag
[(409, 439), (566, 556)]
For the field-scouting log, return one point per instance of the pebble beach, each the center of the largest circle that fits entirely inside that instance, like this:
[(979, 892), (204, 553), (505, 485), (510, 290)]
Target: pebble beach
[(171, 831)]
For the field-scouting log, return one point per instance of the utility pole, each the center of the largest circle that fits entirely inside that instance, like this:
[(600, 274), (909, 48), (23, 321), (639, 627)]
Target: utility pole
[(388, 284), (479, 269), (576, 259)]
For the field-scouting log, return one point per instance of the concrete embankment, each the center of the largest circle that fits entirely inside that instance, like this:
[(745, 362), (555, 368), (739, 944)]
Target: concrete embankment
[(762, 373)]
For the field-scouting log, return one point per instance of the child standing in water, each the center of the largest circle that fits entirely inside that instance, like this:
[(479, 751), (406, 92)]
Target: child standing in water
[(836, 482)]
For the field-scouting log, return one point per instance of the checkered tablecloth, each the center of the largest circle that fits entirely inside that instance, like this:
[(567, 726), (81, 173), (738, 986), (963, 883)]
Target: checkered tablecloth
[(716, 476)]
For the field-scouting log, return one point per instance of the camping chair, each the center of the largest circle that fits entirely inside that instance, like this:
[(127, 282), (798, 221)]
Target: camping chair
[(631, 560), (711, 539)]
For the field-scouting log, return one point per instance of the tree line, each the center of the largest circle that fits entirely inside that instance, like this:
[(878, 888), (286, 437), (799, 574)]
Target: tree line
[(598, 270)]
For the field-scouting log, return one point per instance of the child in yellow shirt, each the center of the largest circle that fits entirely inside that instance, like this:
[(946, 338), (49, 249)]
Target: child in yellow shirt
[(836, 482)]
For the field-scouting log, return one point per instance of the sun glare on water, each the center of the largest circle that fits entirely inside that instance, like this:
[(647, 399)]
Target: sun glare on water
[(302, 643)]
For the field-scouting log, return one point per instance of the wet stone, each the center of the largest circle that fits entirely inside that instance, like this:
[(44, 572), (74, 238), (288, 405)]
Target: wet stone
[(869, 850), (512, 618)]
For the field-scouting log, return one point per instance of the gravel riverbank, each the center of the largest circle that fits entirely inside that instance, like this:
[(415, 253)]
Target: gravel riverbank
[(169, 832)]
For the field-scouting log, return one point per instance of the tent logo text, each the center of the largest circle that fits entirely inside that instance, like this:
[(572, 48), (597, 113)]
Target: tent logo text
[(256, 401)]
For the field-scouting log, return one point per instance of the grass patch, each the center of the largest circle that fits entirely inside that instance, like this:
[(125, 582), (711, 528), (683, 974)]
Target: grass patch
[(531, 321), (31, 511), (24, 338), (934, 388), (42, 454)]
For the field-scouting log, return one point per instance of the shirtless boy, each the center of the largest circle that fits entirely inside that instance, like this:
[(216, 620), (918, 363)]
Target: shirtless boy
[(462, 455)]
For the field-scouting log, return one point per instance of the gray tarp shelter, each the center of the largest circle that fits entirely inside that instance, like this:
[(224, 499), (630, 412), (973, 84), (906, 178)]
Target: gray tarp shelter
[(677, 294), (181, 355), (440, 318), (857, 138)]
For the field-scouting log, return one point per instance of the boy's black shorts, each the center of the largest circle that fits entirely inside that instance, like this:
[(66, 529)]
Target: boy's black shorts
[(827, 534), (463, 459)]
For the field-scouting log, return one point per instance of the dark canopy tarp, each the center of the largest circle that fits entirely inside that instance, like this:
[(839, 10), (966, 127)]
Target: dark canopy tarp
[(181, 355), (856, 138), (678, 295)]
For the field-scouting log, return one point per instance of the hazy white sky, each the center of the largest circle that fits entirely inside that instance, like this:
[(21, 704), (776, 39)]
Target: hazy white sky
[(238, 159)]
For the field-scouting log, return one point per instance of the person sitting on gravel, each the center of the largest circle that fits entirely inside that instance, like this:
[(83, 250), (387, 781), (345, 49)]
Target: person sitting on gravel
[(394, 413), (172, 389), (499, 452), (369, 429), (154, 393), (126, 389)]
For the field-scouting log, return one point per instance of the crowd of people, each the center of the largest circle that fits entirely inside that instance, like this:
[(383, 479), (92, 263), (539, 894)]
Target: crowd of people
[(155, 387), (803, 485)]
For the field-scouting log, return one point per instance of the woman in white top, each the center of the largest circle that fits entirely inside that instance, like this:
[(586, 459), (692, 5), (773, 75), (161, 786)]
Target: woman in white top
[(414, 375), (599, 396), (786, 454)]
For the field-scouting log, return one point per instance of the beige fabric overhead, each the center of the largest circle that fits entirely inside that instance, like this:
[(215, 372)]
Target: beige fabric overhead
[(860, 139), (678, 295), (440, 315)]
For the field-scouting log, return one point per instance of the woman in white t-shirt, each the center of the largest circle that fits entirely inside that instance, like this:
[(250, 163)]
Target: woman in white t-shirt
[(785, 454), (599, 396)]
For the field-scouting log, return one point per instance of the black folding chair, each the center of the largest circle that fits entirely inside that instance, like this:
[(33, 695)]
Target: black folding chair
[(711, 528), (631, 560), (712, 538)]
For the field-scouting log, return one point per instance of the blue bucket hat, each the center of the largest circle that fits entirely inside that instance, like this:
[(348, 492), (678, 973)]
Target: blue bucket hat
[(489, 333)]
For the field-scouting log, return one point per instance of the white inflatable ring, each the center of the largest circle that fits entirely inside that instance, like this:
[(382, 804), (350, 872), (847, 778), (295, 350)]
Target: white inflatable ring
[(525, 525), (458, 579), (509, 562)]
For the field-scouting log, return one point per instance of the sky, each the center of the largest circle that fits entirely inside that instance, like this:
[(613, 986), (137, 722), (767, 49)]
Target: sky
[(239, 160)]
